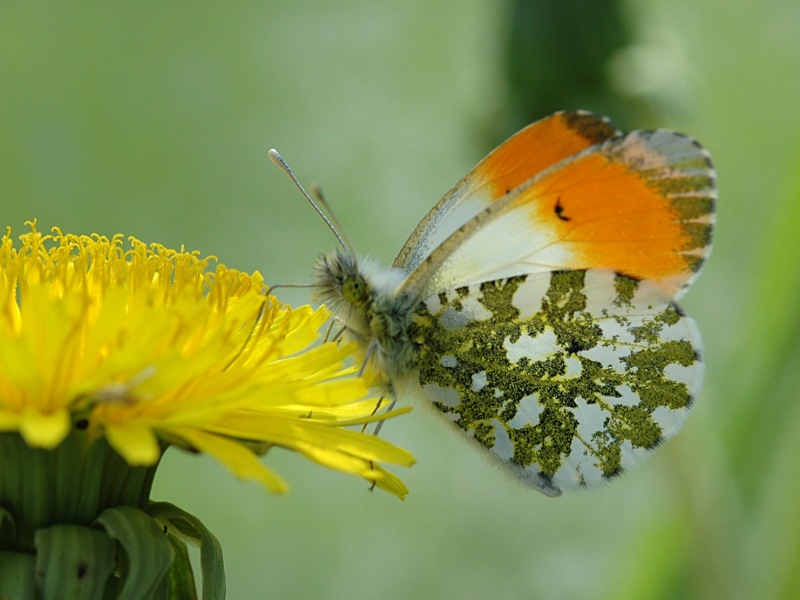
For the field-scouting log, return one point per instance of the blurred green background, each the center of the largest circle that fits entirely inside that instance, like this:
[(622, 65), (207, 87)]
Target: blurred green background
[(153, 119)]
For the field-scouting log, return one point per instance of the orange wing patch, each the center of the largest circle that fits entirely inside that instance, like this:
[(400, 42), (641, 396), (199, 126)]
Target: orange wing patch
[(641, 205), (537, 147), (516, 161)]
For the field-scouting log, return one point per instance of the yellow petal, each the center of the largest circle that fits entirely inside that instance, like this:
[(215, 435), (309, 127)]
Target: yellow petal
[(44, 430), (137, 444), (236, 457)]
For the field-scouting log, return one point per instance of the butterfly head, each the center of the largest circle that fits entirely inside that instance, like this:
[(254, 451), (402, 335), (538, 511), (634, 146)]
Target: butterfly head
[(339, 282), (350, 284), (341, 285)]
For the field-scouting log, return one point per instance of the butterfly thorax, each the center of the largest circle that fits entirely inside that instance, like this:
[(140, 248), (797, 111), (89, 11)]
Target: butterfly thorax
[(369, 301)]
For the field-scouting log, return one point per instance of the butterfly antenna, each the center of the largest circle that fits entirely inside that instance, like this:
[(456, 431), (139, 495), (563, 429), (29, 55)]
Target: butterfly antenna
[(316, 192), (276, 158)]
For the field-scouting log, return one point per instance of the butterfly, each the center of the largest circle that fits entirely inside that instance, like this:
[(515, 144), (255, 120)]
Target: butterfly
[(534, 306)]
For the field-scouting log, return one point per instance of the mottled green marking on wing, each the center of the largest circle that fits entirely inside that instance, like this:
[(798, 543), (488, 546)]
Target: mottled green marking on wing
[(566, 360)]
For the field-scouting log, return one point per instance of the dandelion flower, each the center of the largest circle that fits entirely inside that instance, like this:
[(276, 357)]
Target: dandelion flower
[(112, 352)]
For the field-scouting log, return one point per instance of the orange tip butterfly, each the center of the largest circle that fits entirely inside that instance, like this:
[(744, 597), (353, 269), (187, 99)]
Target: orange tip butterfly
[(534, 306)]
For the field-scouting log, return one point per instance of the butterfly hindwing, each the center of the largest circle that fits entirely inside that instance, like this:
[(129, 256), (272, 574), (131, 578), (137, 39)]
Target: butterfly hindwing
[(568, 377)]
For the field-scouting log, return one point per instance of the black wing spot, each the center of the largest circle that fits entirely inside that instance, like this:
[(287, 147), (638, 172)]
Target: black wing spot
[(560, 211)]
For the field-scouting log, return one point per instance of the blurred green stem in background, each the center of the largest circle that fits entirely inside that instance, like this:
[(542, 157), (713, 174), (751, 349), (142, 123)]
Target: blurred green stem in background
[(559, 56)]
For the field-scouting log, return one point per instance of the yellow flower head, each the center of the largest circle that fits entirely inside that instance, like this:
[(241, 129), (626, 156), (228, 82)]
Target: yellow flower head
[(150, 347)]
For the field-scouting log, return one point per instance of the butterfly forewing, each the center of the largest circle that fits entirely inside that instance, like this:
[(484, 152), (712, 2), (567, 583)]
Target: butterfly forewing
[(528, 152), (640, 204), (568, 377)]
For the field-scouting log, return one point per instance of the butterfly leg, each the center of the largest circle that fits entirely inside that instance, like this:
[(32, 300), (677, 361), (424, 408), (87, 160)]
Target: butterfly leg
[(380, 423), (375, 410), (391, 406)]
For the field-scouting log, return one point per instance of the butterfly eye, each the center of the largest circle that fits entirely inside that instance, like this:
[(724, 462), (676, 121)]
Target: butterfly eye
[(354, 290)]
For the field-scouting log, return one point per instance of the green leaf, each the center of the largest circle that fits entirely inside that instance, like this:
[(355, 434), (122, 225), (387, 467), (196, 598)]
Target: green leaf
[(72, 562), (16, 576), (148, 553), (191, 529), (181, 576)]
